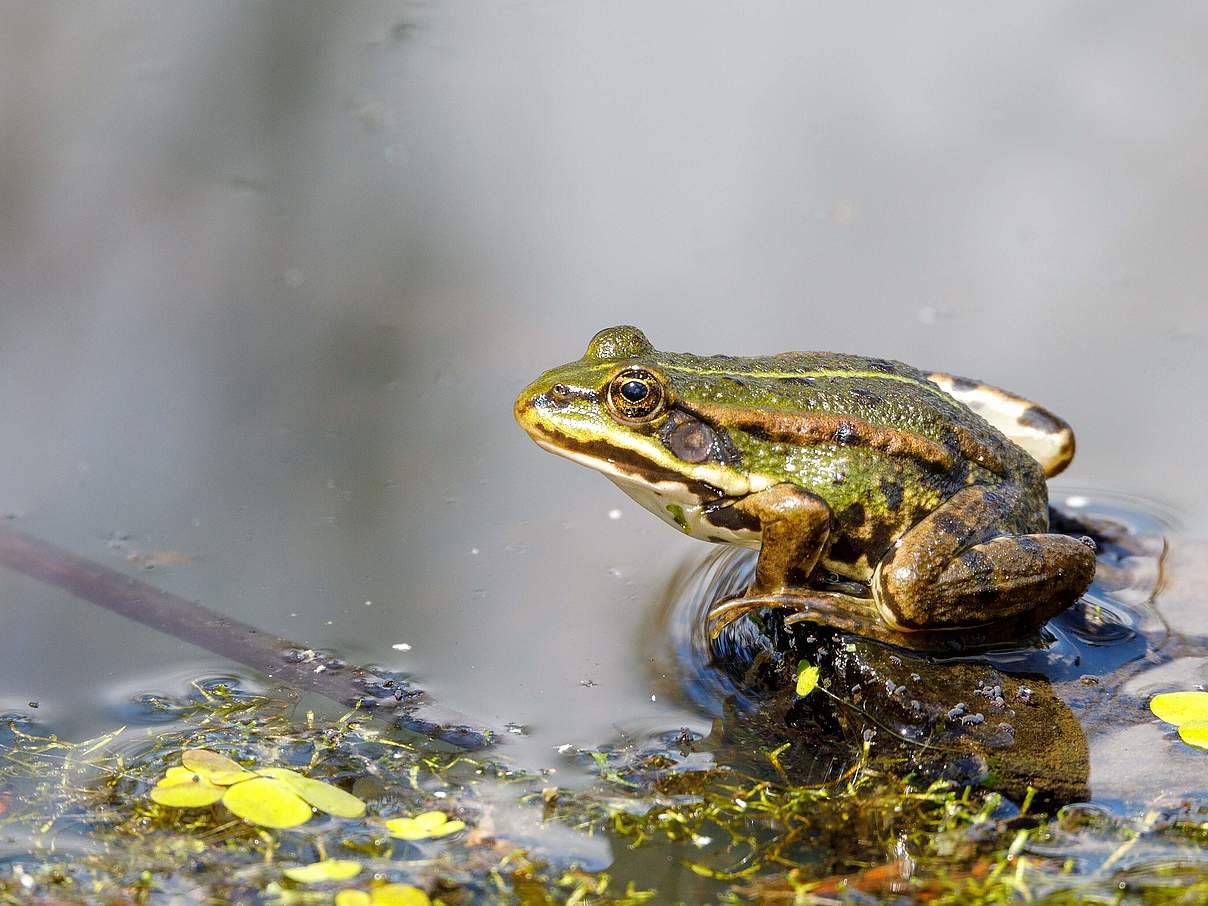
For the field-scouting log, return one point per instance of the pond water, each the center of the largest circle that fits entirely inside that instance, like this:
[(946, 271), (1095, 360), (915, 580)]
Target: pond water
[(271, 275)]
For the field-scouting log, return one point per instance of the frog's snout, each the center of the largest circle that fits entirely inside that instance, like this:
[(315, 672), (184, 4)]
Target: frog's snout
[(532, 406), (525, 409)]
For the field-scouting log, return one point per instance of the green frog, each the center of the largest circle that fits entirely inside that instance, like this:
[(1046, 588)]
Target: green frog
[(881, 498)]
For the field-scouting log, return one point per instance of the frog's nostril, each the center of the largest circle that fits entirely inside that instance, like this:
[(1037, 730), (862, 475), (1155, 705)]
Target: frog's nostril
[(559, 394)]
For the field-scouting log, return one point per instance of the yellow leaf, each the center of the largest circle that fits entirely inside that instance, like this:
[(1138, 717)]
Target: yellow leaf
[(423, 826), (807, 678), (449, 827), (323, 796), (267, 802), (177, 774), (327, 870), (1180, 707), (430, 820), (353, 897), (214, 767), (1195, 733), (187, 790), (399, 895)]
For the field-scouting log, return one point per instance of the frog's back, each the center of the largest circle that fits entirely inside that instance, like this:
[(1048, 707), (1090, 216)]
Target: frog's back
[(880, 405)]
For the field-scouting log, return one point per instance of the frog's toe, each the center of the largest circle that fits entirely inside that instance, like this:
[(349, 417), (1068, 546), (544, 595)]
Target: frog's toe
[(735, 609), (823, 607)]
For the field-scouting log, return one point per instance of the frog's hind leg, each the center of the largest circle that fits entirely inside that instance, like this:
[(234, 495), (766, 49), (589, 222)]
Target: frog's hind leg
[(1047, 438), (956, 568)]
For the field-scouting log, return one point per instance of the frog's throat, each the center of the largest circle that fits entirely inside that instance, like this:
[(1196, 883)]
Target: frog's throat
[(628, 467)]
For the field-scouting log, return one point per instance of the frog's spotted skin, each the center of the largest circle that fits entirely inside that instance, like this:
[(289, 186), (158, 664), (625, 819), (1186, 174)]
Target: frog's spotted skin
[(839, 467), (1048, 439)]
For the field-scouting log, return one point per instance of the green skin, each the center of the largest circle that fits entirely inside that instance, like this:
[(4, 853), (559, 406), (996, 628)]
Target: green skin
[(877, 500)]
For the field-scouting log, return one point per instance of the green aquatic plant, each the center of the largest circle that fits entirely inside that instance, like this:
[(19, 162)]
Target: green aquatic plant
[(807, 678), (270, 797), (424, 826), (876, 833)]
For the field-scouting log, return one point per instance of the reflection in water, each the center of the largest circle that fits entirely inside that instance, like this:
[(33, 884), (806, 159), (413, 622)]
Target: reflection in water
[(1012, 711)]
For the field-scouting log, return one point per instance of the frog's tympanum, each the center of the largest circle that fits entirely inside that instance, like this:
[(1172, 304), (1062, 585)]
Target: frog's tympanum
[(879, 496)]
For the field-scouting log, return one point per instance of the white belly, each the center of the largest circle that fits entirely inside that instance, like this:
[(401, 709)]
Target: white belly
[(676, 505)]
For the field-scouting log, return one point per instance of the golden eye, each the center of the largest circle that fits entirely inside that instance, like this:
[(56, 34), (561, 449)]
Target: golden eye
[(636, 396)]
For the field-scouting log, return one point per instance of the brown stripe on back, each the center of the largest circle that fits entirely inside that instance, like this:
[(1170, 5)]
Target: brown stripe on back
[(821, 428)]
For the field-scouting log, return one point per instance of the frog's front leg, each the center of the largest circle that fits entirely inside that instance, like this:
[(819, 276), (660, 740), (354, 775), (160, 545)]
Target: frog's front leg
[(957, 567), (794, 527)]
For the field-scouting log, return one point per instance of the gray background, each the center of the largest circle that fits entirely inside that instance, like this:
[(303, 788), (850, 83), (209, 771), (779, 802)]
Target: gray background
[(271, 274)]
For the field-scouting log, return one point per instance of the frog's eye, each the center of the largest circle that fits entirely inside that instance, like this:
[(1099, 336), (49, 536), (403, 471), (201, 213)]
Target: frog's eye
[(636, 396)]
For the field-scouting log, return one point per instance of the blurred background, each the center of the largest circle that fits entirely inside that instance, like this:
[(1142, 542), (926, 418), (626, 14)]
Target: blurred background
[(272, 273)]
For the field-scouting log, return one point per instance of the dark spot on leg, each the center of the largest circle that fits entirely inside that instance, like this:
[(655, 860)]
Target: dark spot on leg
[(1029, 546), (1039, 419), (949, 524), (980, 567), (797, 380), (964, 384), (883, 365)]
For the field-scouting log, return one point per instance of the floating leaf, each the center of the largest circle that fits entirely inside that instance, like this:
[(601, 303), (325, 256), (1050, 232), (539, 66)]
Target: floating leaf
[(399, 895), (807, 678), (327, 870), (1195, 733), (267, 802), (423, 826), (1180, 707), (214, 767), (181, 788), (177, 774), (353, 897), (323, 796)]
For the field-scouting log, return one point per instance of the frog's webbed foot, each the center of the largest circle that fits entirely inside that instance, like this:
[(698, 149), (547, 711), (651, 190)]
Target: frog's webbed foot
[(734, 609), (829, 608)]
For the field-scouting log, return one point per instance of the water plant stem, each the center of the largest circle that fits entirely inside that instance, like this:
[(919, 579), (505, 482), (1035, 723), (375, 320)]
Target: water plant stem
[(278, 658)]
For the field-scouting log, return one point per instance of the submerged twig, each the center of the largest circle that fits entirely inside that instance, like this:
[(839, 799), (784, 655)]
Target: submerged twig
[(276, 657)]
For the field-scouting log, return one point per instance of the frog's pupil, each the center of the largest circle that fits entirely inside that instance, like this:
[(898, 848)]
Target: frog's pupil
[(634, 391)]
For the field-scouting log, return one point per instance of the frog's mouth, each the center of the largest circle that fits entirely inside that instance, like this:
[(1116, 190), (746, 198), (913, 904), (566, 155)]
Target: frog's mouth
[(625, 466)]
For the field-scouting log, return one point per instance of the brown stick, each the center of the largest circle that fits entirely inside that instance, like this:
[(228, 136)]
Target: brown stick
[(276, 657)]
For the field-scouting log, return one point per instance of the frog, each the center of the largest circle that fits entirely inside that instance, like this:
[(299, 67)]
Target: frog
[(881, 498)]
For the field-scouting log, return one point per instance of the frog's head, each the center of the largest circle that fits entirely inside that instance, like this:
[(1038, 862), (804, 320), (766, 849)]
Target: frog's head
[(618, 410)]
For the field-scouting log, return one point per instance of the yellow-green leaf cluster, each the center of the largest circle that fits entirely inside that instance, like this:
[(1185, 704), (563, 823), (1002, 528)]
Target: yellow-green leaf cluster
[(1186, 710), (384, 895), (423, 826), (327, 870), (272, 797)]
